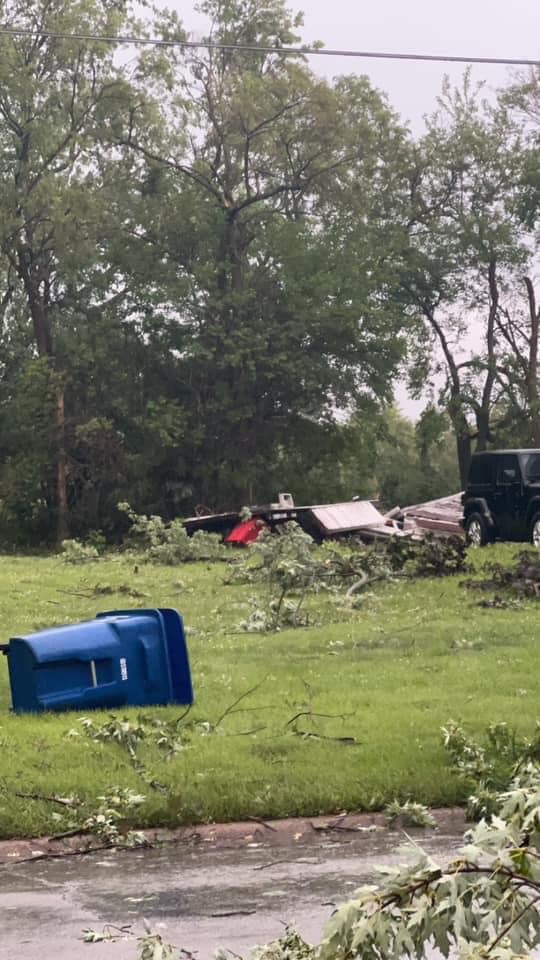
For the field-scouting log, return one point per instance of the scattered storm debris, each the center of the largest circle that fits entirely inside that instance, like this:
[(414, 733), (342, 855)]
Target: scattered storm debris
[(521, 579), (330, 521), (441, 516)]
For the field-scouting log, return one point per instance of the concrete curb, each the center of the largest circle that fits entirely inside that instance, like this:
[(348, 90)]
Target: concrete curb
[(285, 833)]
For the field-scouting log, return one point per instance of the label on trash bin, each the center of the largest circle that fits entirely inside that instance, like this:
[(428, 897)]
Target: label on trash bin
[(123, 668)]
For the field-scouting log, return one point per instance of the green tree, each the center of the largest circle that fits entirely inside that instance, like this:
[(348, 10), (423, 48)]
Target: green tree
[(414, 462), (56, 98), (276, 323), (469, 246), (518, 328)]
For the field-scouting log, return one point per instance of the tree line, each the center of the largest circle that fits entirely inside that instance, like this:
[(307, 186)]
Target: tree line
[(215, 265)]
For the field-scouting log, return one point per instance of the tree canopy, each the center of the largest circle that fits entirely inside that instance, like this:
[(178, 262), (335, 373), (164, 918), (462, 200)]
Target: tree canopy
[(215, 266)]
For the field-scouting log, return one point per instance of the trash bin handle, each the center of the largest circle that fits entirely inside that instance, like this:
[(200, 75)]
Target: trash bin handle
[(147, 648)]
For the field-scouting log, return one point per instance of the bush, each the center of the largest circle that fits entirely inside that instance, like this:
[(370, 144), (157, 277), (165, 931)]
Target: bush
[(169, 543), (73, 551)]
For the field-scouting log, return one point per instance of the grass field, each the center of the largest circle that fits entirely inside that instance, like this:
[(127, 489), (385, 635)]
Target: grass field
[(391, 673)]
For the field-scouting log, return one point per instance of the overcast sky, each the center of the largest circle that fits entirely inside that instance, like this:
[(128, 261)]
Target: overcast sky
[(482, 28)]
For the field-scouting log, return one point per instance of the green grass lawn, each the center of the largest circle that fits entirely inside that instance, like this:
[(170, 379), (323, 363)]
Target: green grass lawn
[(392, 672)]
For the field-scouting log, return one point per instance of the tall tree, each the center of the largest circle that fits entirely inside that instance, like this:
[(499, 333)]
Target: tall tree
[(468, 243), (276, 322), (518, 327), (56, 96)]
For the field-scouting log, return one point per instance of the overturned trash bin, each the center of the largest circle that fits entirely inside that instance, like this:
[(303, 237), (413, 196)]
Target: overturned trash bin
[(122, 658)]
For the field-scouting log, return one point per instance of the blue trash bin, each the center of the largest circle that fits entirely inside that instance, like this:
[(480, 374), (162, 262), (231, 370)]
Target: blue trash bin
[(122, 658)]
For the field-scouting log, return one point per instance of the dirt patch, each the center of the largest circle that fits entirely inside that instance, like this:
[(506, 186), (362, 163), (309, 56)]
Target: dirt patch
[(279, 833)]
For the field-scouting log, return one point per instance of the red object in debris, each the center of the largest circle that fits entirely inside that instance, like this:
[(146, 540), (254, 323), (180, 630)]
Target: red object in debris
[(246, 532)]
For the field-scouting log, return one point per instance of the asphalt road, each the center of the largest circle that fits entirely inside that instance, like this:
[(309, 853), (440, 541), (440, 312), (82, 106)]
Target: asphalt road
[(198, 897)]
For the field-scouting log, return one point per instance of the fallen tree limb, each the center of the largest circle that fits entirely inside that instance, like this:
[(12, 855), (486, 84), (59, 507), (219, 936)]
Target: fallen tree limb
[(63, 801)]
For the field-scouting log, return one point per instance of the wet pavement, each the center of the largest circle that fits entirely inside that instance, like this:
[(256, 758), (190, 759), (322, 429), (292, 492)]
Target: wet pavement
[(197, 896)]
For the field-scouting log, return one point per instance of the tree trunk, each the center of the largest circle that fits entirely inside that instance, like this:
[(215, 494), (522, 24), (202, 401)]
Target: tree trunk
[(483, 412), (483, 436), (455, 405), (225, 376), (464, 448), (39, 312), (533, 397), (462, 434), (62, 527)]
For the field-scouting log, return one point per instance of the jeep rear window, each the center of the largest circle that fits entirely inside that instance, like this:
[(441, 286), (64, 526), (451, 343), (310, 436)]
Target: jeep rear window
[(481, 470), (507, 468), (531, 466)]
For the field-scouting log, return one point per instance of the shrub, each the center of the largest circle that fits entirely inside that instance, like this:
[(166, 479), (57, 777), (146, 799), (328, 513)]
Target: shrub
[(73, 551), (169, 543)]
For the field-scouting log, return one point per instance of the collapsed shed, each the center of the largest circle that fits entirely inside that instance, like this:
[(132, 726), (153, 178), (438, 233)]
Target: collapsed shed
[(442, 516), (328, 521)]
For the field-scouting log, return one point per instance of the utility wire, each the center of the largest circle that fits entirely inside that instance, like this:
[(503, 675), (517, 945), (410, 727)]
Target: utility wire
[(256, 48)]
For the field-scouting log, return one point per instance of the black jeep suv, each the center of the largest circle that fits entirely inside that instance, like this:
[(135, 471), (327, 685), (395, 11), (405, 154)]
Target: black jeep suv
[(502, 499)]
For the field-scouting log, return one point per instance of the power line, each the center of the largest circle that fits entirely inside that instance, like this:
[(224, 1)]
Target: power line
[(256, 48)]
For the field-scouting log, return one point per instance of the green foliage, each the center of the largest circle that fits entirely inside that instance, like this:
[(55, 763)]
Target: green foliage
[(97, 540), (104, 817), (377, 454), (469, 247), (489, 769), (106, 821), (201, 316), (169, 543), (153, 947), (270, 305), (409, 814), (285, 563), (277, 613), (289, 566), (289, 947), (167, 736), (27, 399), (483, 904), (75, 552), (185, 332), (431, 557), (58, 101), (522, 578), (285, 559), (413, 463)]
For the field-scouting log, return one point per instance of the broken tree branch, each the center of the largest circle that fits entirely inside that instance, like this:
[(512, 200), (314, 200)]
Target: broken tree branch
[(235, 703)]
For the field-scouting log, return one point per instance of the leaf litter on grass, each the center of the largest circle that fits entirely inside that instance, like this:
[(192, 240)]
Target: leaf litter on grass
[(424, 650)]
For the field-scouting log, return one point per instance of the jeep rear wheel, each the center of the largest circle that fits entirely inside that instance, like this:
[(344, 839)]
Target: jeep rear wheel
[(535, 530), (476, 530)]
